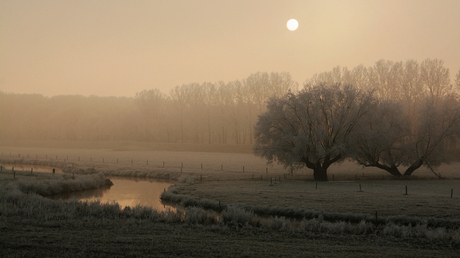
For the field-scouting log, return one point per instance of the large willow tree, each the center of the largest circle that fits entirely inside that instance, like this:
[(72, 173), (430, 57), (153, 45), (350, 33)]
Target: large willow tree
[(311, 128)]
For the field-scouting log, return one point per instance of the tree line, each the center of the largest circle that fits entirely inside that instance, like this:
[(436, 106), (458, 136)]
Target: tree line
[(209, 112), (394, 116), (204, 113)]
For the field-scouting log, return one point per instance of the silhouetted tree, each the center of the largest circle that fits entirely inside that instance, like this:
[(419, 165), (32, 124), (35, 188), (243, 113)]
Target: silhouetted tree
[(312, 128), (151, 104), (381, 138), (457, 83)]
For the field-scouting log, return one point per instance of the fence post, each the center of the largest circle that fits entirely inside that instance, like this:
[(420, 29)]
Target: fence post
[(451, 193), (201, 165), (14, 172), (406, 190), (221, 167), (316, 187), (31, 171), (243, 169)]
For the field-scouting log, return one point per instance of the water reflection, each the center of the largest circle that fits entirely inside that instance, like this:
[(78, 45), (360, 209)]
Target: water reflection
[(127, 192)]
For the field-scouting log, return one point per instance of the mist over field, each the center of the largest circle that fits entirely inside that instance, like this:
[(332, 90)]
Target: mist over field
[(229, 128), (211, 113), (205, 113), (347, 126)]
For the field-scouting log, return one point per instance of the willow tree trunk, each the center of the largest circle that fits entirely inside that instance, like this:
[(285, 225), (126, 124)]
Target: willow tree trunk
[(417, 164), (320, 173), (393, 170)]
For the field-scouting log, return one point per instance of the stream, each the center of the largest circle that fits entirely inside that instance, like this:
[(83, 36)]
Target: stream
[(126, 191)]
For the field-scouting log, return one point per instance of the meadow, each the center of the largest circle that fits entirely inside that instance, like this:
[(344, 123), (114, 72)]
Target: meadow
[(230, 200)]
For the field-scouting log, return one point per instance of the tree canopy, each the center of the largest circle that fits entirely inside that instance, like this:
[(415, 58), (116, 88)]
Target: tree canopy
[(311, 128)]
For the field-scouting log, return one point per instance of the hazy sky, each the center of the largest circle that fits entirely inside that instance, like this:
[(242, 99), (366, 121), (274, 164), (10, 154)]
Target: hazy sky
[(118, 48)]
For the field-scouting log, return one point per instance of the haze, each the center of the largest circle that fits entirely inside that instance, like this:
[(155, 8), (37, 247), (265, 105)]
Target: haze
[(119, 48)]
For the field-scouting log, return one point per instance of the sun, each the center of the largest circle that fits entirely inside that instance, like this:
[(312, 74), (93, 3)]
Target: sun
[(292, 24)]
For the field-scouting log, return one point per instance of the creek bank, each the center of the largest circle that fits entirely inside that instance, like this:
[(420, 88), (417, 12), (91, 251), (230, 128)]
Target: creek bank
[(173, 195)]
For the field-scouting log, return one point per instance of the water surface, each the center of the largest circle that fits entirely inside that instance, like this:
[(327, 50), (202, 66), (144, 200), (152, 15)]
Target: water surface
[(126, 191)]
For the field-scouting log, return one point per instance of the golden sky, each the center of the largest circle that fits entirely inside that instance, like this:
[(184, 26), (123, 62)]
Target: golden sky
[(118, 48)]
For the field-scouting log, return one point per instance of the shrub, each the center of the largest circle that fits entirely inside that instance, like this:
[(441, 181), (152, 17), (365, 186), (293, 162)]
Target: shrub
[(239, 217), (199, 216)]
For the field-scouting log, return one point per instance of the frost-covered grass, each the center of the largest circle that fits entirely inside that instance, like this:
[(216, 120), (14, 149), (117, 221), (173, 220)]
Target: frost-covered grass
[(63, 184), (137, 162), (296, 213), (70, 168), (15, 203), (230, 198), (426, 198)]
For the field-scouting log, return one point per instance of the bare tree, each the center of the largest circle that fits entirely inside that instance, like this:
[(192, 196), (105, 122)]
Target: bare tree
[(180, 96), (435, 79), (312, 128), (457, 83), (387, 139), (151, 104), (381, 138), (329, 78), (436, 123), (385, 78), (209, 100)]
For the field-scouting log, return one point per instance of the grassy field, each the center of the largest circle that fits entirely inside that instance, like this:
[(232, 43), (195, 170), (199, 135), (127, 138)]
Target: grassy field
[(230, 179)]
